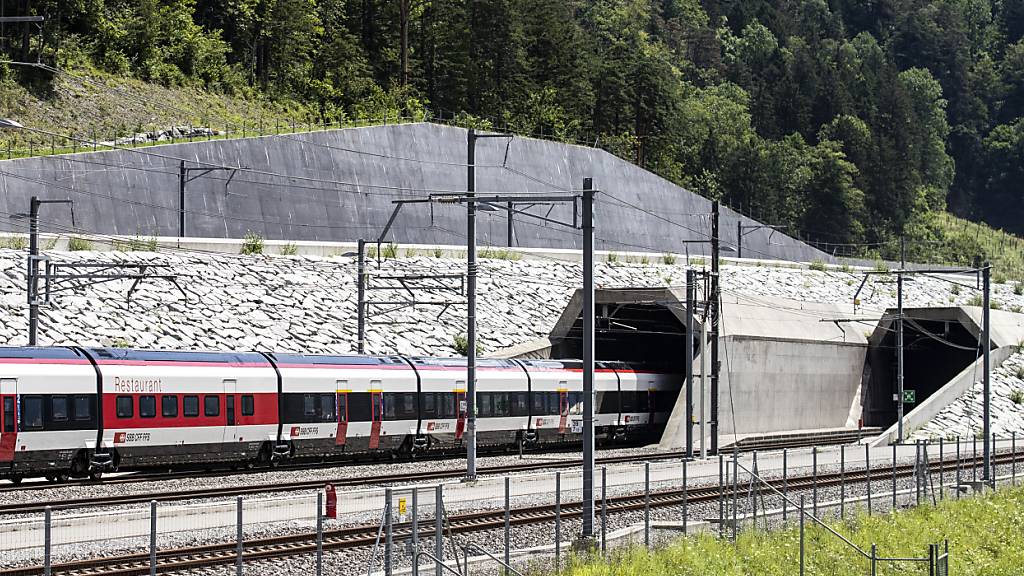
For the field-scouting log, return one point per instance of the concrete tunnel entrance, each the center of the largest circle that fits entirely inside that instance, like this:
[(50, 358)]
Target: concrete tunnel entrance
[(643, 326), (938, 344)]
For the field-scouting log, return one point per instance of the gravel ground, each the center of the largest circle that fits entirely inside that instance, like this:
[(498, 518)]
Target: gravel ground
[(356, 561)]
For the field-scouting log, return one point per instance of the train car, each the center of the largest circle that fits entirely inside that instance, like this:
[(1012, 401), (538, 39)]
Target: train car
[(49, 413), (168, 408), (502, 402), (68, 411), (333, 405)]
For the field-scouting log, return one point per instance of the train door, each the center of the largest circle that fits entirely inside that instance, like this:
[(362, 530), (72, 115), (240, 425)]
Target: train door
[(342, 411), (376, 415), (563, 408), (8, 418), (460, 410), (230, 431)]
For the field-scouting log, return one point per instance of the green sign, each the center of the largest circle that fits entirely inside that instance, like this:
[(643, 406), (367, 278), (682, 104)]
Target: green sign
[(909, 397)]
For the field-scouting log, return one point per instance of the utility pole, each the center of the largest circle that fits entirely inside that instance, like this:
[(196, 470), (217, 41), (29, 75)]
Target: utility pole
[(471, 273), (739, 238), (471, 305), (899, 357), (715, 325), (33, 264), (688, 360), (182, 176), (588, 358), (986, 341), (361, 298)]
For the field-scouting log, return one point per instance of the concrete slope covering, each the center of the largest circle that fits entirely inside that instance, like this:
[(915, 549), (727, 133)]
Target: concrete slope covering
[(339, 185)]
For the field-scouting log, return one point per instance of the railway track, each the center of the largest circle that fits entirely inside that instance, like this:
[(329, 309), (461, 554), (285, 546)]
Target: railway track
[(136, 477), (201, 493), (197, 557)]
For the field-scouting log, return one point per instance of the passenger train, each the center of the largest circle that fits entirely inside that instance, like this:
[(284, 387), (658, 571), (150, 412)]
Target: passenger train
[(79, 412)]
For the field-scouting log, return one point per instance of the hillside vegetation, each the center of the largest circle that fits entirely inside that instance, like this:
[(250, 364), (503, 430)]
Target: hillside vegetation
[(985, 537), (850, 123)]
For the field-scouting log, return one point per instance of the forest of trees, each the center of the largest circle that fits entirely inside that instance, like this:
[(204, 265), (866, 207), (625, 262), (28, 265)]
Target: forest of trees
[(846, 120)]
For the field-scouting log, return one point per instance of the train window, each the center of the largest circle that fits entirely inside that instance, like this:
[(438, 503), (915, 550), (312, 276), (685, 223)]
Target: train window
[(169, 406), (83, 407), (628, 401), (308, 405), (575, 402), (520, 404), (32, 413), (125, 408), (248, 405), (190, 406), (211, 406), (554, 403), (643, 401), (429, 405), (147, 406), (327, 407), (59, 408), (484, 405), (539, 405), (607, 402), (501, 405), (446, 405), (8, 414)]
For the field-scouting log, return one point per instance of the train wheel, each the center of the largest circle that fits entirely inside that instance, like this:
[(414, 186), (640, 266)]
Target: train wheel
[(96, 475), (61, 478), (15, 480)]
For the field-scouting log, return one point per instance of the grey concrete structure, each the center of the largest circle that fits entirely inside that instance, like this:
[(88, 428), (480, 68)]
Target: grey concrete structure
[(339, 185), (782, 367)]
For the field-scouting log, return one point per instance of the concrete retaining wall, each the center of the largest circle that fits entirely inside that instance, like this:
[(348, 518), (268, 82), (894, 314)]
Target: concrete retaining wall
[(339, 185)]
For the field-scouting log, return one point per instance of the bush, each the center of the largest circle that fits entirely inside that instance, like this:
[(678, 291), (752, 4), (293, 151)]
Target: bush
[(14, 242), (669, 259), (390, 251), (1018, 288), (76, 244), (954, 289), (289, 249), (882, 267), (1017, 396), (120, 343), (1020, 372), (612, 257), (818, 265), (500, 254), (253, 243), (461, 346), (976, 300), (645, 260), (438, 253)]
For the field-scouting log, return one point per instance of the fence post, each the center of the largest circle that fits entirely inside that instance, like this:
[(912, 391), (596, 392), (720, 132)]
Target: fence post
[(735, 487), (508, 504), (558, 522), (958, 468), (387, 531), (893, 477), (320, 534), (974, 459), (756, 491), (842, 481), (917, 472), (942, 468), (785, 485), (152, 537), (874, 560), (867, 469), (814, 486), (647, 505), (992, 473), (438, 527), (721, 497), (239, 537), (47, 542), (604, 506), (802, 498), (1013, 457), (686, 503)]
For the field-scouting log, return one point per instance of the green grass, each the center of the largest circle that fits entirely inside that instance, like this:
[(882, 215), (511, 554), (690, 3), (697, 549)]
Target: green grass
[(76, 244), (944, 238), (252, 244), (986, 537), (289, 249)]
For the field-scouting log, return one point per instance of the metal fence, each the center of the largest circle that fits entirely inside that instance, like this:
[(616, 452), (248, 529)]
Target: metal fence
[(448, 523)]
